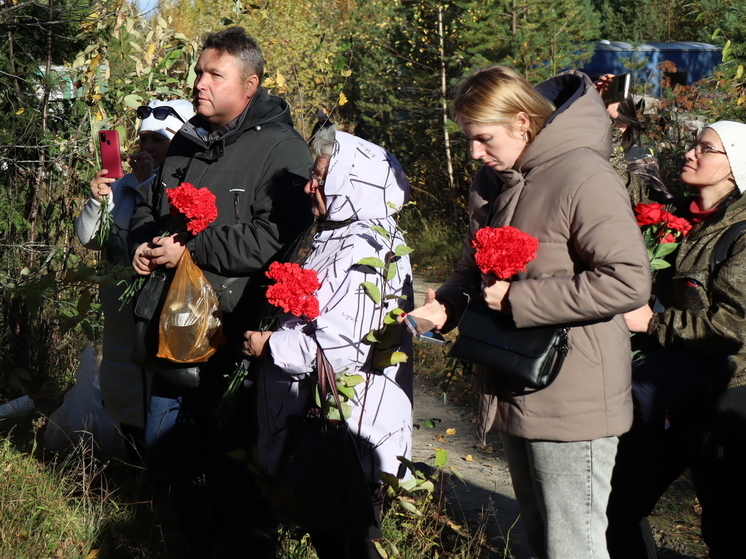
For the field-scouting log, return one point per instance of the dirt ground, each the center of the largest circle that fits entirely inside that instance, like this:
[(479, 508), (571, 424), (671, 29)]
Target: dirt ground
[(484, 494)]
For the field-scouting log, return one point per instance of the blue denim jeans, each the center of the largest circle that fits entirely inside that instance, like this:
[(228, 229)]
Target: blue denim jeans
[(562, 489)]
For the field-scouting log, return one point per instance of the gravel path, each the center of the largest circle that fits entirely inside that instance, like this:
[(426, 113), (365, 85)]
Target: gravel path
[(485, 493)]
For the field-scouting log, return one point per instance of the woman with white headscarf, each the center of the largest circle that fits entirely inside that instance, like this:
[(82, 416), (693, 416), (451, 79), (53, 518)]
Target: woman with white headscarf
[(124, 386), (356, 188)]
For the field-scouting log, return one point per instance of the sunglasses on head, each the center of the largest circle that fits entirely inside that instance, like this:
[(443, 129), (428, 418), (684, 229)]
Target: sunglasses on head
[(160, 113)]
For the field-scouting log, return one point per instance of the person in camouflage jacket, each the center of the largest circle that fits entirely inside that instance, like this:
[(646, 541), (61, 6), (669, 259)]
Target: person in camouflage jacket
[(691, 387)]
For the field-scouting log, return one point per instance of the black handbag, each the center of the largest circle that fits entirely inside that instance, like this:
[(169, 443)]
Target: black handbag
[(320, 482), (518, 360), (147, 312)]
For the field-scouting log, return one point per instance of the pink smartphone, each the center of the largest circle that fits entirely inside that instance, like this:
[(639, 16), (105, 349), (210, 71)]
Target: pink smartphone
[(111, 153)]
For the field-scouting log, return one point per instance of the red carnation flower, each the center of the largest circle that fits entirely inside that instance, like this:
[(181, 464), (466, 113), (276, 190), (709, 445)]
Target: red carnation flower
[(503, 251), (197, 205), (294, 289), (679, 224), (650, 214)]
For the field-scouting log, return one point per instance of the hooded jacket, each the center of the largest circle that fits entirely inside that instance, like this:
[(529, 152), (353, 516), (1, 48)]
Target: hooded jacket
[(257, 172), (591, 266), (365, 187)]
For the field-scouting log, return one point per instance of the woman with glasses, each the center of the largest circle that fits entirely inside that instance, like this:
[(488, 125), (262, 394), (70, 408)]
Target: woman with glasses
[(123, 385), (694, 370), (356, 190)]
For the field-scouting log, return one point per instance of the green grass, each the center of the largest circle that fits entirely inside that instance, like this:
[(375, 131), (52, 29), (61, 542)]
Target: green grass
[(43, 511)]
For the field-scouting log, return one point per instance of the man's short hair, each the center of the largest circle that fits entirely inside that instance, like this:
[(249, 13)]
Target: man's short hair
[(237, 43)]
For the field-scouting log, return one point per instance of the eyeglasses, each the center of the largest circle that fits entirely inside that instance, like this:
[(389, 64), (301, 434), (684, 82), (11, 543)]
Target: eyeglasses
[(700, 149), (315, 176), (160, 113)]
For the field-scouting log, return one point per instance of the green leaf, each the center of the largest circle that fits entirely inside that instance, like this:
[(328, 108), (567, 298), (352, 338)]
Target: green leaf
[(409, 484), (372, 337), (346, 391), (391, 271), (441, 457), (409, 507), (372, 291), (401, 250), (665, 249), (389, 318), (390, 480), (426, 485), (352, 380), (132, 100), (659, 264), (391, 359), (372, 261), (333, 414), (398, 357), (381, 231)]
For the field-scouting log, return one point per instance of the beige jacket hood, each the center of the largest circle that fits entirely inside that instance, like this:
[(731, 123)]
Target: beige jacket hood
[(591, 266)]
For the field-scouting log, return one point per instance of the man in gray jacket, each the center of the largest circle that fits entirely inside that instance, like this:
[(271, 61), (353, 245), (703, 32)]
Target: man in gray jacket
[(243, 148)]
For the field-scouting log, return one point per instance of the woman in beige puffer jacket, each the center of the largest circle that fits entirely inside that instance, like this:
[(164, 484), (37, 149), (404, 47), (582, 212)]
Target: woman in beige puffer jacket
[(546, 154)]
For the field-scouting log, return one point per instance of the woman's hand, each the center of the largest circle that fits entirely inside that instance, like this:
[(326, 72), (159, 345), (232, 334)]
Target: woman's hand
[(495, 293), (638, 320), (256, 343), (432, 315), (142, 165), (101, 186), (602, 83)]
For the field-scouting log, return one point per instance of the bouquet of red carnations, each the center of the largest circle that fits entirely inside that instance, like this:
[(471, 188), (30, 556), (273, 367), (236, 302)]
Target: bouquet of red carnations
[(293, 290), (660, 230), (192, 208), (503, 251)]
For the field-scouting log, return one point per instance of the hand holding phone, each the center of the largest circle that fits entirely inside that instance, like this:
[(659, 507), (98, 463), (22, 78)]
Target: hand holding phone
[(430, 336), (616, 89), (111, 153)]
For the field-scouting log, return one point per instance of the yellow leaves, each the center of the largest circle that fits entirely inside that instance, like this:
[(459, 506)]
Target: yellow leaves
[(346, 73), (469, 458), (280, 80), (450, 431), (98, 116), (342, 99), (151, 51), (20, 111), (93, 554)]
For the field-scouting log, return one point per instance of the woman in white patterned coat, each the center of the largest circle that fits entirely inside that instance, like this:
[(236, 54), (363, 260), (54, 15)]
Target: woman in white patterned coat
[(356, 188)]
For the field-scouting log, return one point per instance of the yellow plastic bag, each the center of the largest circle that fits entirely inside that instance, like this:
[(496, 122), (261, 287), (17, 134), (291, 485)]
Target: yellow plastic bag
[(190, 323)]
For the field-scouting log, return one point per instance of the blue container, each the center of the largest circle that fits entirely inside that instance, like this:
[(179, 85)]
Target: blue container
[(693, 61)]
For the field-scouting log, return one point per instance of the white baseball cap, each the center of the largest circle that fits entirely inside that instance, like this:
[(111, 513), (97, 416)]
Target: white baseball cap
[(169, 124)]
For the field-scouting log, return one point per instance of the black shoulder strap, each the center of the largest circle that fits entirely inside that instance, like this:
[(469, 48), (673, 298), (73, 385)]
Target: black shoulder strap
[(725, 243)]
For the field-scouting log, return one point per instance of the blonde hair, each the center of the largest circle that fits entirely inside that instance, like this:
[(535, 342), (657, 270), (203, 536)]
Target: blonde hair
[(495, 95)]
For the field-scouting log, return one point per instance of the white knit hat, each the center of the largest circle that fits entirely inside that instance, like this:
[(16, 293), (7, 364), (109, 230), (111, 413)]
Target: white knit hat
[(170, 125), (733, 136)]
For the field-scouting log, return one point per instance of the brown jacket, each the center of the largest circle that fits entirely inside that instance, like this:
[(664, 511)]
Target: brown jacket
[(591, 266)]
